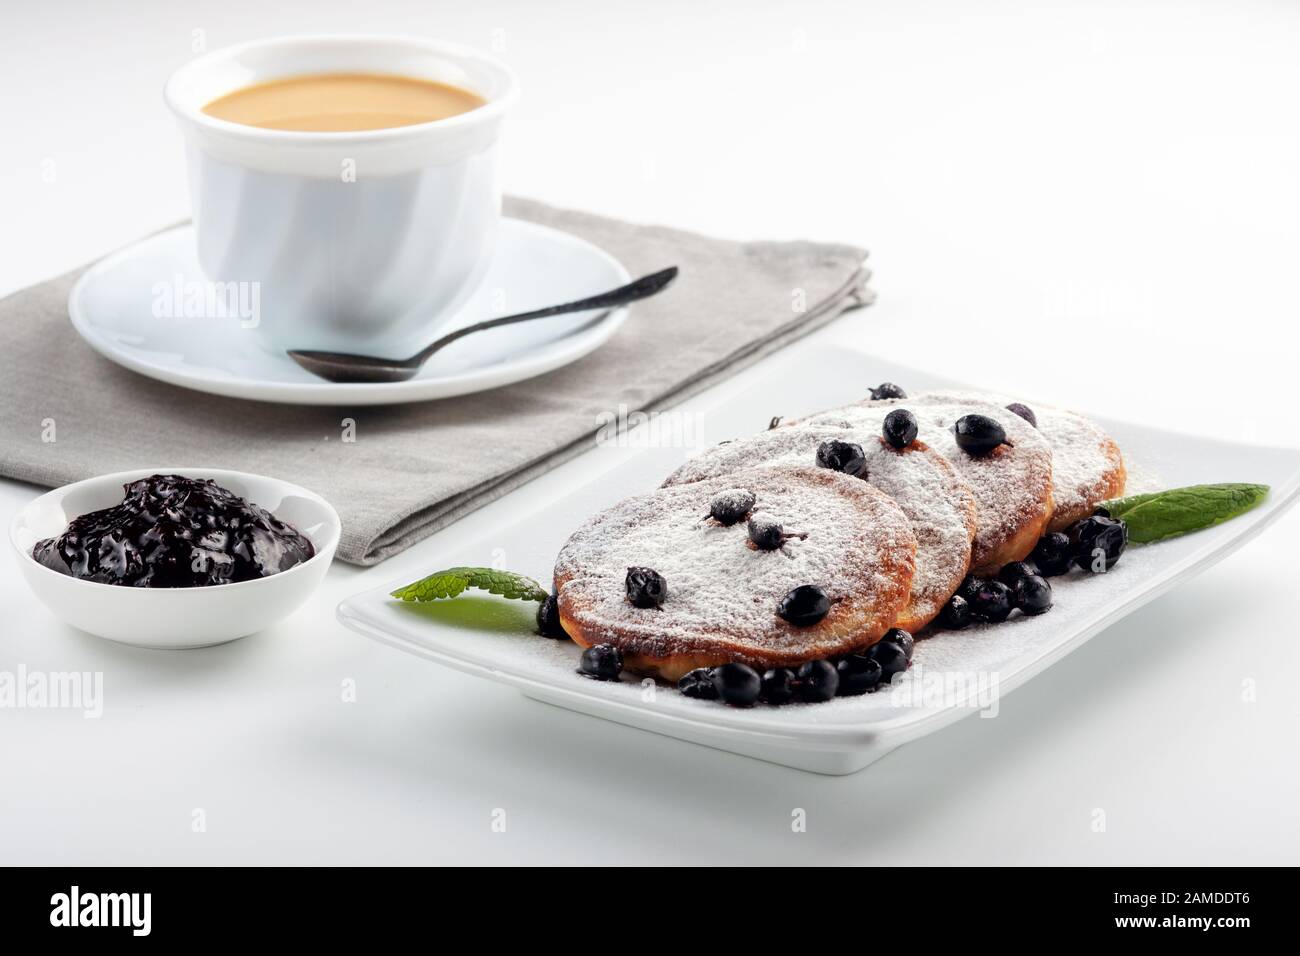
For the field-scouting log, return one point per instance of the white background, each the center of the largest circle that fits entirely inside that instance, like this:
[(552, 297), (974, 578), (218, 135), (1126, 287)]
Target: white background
[(1092, 203)]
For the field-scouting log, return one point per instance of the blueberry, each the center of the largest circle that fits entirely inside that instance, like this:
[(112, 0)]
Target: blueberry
[(1013, 572), (900, 428), (775, 422), (858, 674), (845, 456), (992, 602), (1101, 511), (730, 506), (977, 435), (969, 586), (1033, 595), (601, 662), (766, 532), (804, 606), (645, 587), (778, 686), (896, 635), (891, 658), (817, 681), (887, 390), (737, 684), (699, 684), (548, 619), (955, 614), (1025, 412), (1052, 554), (1096, 543)]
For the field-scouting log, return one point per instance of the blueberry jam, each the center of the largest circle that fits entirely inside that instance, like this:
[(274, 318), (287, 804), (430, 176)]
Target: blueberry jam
[(174, 532)]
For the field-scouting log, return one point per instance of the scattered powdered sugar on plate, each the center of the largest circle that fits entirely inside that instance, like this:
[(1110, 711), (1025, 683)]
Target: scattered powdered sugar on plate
[(722, 592), (966, 668), (935, 499), (1140, 479)]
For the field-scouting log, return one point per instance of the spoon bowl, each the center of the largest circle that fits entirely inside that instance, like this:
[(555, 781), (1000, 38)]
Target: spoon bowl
[(343, 367)]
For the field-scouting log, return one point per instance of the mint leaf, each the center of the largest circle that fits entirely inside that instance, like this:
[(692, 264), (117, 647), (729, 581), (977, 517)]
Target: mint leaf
[(1166, 514), (449, 583)]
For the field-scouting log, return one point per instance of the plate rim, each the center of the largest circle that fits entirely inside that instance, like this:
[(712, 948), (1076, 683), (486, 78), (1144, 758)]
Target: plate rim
[(598, 331), (913, 722)]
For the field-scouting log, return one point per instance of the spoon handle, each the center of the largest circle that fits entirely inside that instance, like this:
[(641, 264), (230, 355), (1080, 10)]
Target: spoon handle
[(641, 288)]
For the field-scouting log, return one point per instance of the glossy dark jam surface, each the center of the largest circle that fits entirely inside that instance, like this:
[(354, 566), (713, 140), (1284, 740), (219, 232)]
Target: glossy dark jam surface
[(173, 532)]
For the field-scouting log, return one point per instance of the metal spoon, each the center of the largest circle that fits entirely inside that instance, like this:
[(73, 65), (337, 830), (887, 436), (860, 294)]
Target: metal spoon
[(344, 367)]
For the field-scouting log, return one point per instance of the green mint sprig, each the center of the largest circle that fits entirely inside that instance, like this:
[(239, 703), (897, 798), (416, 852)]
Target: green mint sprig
[(451, 582), (1167, 514)]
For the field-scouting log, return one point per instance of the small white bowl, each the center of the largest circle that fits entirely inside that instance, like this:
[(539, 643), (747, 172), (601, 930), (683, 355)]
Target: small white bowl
[(175, 617)]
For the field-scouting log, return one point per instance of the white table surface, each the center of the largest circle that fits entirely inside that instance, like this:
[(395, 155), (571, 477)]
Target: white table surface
[(1092, 203)]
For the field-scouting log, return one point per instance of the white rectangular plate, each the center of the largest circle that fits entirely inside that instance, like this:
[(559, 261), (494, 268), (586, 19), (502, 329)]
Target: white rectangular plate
[(954, 673)]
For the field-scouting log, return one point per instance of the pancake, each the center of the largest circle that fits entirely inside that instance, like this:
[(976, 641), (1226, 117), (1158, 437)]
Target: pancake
[(1012, 484), (722, 592), (1087, 466), (937, 502)]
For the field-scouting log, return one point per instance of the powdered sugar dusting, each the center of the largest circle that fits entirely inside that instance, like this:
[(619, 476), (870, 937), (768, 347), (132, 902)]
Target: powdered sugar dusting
[(722, 592), (935, 499), (1141, 479), (1087, 466), (1012, 484)]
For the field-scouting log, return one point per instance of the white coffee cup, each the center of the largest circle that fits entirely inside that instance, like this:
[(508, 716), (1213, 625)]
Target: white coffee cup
[(357, 241)]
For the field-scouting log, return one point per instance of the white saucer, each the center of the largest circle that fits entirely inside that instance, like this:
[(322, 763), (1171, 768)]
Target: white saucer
[(112, 308)]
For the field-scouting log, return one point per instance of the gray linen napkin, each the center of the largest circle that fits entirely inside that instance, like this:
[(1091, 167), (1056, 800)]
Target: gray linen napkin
[(414, 469)]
